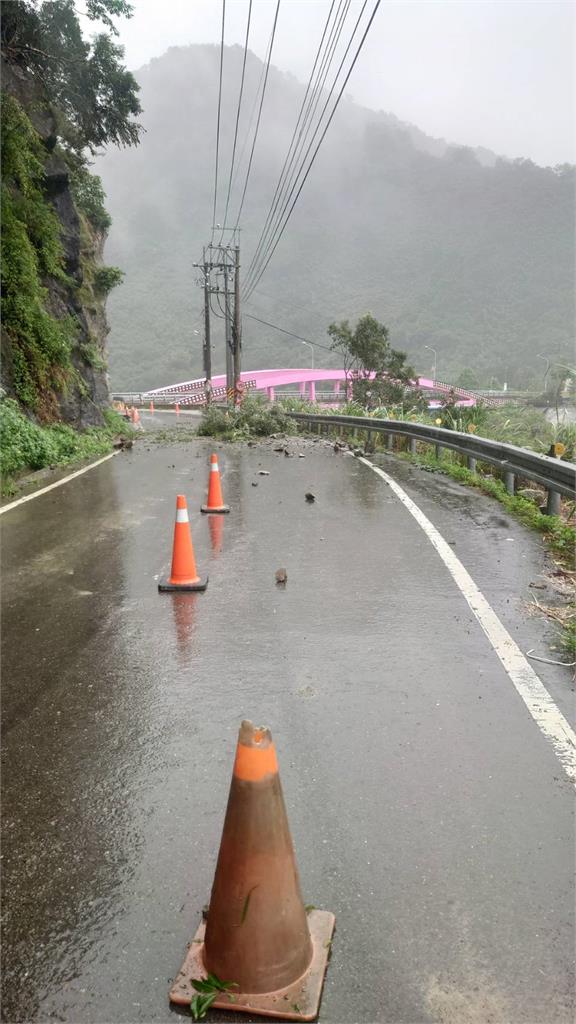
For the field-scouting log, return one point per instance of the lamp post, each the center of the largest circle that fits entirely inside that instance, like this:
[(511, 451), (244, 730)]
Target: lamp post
[(309, 343), (432, 349), (547, 361)]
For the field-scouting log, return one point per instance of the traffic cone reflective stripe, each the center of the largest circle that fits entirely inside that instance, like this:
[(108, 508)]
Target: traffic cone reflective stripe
[(183, 574), (215, 501), (258, 933)]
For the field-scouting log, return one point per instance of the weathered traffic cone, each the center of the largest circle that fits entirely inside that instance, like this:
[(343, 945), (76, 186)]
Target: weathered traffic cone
[(151, 406), (215, 501), (258, 935), (183, 575)]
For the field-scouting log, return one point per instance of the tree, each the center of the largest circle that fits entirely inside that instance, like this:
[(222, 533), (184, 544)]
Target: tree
[(468, 379), (378, 373), (93, 97)]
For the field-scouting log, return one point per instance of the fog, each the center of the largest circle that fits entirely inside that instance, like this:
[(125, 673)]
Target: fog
[(494, 74)]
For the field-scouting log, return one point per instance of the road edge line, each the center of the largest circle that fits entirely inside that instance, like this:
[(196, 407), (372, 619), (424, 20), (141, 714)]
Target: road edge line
[(58, 483), (548, 717)]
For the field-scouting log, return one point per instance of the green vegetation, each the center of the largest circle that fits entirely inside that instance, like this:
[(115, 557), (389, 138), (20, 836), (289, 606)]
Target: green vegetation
[(65, 97), (89, 197), (27, 446), (93, 95), (254, 418), (365, 351), (208, 989), (38, 344), (107, 278)]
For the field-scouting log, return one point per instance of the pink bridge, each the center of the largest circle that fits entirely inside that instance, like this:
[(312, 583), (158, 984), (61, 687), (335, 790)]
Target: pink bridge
[(306, 381)]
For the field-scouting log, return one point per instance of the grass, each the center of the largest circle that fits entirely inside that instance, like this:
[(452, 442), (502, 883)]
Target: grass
[(27, 446)]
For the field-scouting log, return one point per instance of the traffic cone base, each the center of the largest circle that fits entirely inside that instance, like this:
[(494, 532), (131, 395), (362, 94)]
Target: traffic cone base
[(298, 1001), (222, 509), (167, 587)]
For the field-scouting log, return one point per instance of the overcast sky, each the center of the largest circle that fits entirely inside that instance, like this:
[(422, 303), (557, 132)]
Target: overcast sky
[(476, 72)]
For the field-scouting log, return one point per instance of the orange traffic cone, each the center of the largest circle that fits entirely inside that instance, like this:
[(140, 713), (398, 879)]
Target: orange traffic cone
[(177, 409), (258, 936), (183, 575), (215, 500), (151, 406), (135, 416)]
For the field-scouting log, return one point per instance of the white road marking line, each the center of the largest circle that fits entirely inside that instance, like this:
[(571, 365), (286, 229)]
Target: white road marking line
[(540, 704), (59, 483)]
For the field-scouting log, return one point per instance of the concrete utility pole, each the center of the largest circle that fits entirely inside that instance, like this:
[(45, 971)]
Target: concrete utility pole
[(228, 335), (207, 349), (237, 329)]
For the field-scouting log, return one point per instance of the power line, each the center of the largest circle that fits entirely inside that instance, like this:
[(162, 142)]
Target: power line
[(218, 118), (237, 119), (329, 121), (269, 55), (290, 333), (304, 119), (279, 225)]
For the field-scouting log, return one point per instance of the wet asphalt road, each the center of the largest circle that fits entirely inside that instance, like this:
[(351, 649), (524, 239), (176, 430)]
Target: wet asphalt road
[(427, 810)]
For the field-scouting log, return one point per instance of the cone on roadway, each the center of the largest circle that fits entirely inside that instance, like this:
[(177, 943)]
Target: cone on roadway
[(258, 934), (135, 415), (177, 409), (151, 406), (183, 575), (215, 501)]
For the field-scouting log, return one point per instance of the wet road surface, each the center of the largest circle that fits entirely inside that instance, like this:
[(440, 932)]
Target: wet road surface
[(427, 810)]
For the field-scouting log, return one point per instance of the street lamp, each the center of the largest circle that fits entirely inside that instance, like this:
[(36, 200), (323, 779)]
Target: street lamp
[(432, 349), (309, 343)]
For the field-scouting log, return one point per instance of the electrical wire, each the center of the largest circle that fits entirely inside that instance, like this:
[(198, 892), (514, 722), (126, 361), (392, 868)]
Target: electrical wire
[(218, 119), (295, 178), (290, 333), (272, 248), (237, 120), (304, 121), (269, 55)]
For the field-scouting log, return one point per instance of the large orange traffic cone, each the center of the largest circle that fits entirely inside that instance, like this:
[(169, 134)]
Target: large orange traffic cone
[(183, 575), (258, 934), (215, 501)]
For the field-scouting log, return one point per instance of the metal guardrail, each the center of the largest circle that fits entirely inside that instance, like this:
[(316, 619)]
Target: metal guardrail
[(556, 476)]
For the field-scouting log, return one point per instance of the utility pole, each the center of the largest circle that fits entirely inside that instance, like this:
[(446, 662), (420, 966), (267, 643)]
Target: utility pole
[(228, 336), (224, 259), (237, 330), (207, 350)]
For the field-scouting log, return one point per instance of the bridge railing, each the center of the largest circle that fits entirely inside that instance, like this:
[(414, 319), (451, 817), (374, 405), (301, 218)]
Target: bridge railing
[(557, 477)]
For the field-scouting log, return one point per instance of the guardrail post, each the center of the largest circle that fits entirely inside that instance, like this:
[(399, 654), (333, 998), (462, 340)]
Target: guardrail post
[(412, 446), (438, 451), (368, 438), (509, 482), (471, 464), (390, 442), (553, 504)]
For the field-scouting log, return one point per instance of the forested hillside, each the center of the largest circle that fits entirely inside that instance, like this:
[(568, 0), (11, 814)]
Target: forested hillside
[(448, 247)]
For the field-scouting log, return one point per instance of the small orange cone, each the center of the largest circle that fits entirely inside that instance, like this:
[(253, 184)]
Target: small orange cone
[(258, 935), (215, 500), (183, 575), (151, 406), (177, 409), (135, 415)]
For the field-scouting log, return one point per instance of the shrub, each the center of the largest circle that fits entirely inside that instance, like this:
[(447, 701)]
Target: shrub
[(254, 418), (107, 278)]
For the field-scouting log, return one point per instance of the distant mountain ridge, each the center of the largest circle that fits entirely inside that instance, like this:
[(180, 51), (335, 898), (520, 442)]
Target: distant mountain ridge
[(453, 248)]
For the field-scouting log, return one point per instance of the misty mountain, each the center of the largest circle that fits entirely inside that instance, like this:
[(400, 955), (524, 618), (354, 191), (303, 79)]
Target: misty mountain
[(449, 247)]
